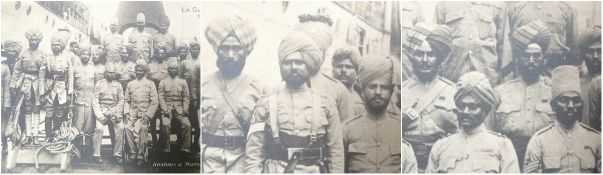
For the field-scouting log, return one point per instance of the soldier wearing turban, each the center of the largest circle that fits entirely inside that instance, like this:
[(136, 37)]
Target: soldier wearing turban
[(12, 49), (140, 40), (345, 70), (429, 96), (112, 43), (163, 38), (589, 50), (190, 71), (231, 94)]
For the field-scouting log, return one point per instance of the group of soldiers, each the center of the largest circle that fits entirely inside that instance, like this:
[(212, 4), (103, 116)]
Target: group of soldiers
[(469, 107), (315, 121), (123, 83)]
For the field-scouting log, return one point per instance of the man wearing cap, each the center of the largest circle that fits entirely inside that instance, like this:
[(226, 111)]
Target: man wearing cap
[(345, 68), (524, 101), (108, 106), (229, 96), (190, 71), (125, 67), (589, 47), (474, 149), (163, 38), (318, 28), (25, 80), (141, 102), (478, 34), (83, 89), (57, 86), (112, 42), (12, 49), (372, 138), (428, 115), (295, 119), (174, 100), (566, 146), (140, 40), (560, 18)]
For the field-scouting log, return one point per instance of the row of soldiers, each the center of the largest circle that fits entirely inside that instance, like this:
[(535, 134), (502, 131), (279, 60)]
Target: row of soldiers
[(545, 119), (313, 122), (119, 88)]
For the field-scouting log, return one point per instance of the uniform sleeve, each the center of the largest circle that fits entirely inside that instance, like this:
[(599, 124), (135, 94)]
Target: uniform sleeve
[(409, 161), (335, 141), (98, 112), (161, 92), (532, 162), (6, 98), (16, 74), (119, 108), (70, 76), (344, 107), (127, 99), (509, 163), (432, 163), (594, 104), (254, 149), (186, 96), (153, 104)]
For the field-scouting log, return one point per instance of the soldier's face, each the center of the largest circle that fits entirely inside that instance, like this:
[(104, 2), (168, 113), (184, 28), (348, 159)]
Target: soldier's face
[(195, 50), (470, 113), (345, 72), (531, 63), (34, 43), (163, 27), (160, 54), (124, 55), (140, 25), (140, 72), (294, 70), (12, 53), (567, 107), (85, 56), (172, 71), (377, 94), (74, 46), (113, 28), (96, 56), (231, 57), (56, 47), (182, 53), (424, 62), (592, 57), (110, 76)]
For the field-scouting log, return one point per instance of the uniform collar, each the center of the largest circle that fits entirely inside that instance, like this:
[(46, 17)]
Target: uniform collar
[(571, 131), (474, 131)]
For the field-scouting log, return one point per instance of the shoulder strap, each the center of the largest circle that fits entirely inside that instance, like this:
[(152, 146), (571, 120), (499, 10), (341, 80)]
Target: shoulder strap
[(439, 87), (273, 114), (231, 104), (316, 113)]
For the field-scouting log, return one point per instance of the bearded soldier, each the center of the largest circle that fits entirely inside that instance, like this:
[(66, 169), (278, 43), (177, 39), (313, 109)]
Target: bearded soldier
[(190, 71), (174, 100), (163, 38), (589, 45), (108, 108), (83, 115), (125, 67)]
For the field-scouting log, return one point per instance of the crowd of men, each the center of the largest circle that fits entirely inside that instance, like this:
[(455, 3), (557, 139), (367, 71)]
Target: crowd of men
[(312, 122), (123, 83), (470, 108)]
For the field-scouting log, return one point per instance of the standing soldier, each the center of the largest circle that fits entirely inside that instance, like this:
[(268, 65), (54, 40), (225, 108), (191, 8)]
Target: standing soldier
[(566, 146), (372, 138), (295, 129), (474, 149), (478, 35), (594, 103), (12, 49), (560, 18), (25, 82), (125, 67), (140, 40), (57, 85), (163, 38), (428, 115), (6, 102), (83, 118), (108, 107), (174, 99), (190, 71), (158, 66), (112, 43), (141, 102), (524, 102), (225, 122), (345, 68), (99, 63), (589, 45)]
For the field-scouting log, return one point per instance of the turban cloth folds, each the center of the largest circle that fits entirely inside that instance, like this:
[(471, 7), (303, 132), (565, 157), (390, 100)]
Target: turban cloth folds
[(347, 52), (299, 42), (374, 67), (12, 45), (222, 27), (478, 86), (439, 38), (142, 63), (34, 34)]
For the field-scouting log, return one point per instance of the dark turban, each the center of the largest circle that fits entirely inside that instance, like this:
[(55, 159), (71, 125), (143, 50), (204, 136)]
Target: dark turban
[(439, 38), (588, 38), (299, 42), (373, 67), (222, 27), (478, 86), (534, 32), (12, 45)]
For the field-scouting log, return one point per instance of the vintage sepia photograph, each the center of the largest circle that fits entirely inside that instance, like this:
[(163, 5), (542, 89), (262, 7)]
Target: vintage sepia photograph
[(501, 87), (100, 86)]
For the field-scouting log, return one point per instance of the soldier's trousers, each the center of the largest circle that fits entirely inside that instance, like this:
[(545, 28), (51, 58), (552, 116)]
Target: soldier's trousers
[(138, 137), (97, 138), (55, 114), (222, 160), (84, 121), (185, 132), (31, 116)]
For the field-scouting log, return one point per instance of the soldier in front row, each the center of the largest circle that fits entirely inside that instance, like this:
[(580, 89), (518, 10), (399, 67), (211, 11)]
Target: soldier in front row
[(409, 162), (567, 146), (372, 138), (174, 100), (108, 109), (474, 149), (295, 129)]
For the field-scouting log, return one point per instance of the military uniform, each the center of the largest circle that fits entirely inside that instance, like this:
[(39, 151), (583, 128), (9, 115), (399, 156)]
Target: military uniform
[(558, 150), (111, 42), (594, 103), (332, 88), (58, 84), (158, 71), (126, 72), (83, 115), (357, 103), (167, 40), (190, 71), (219, 121), (108, 107), (141, 102), (412, 14), (428, 115), (6, 97), (478, 35), (409, 161), (99, 72), (299, 119), (372, 145), (174, 97), (141, 42), (523, 110), (25, 80), (481, 151)]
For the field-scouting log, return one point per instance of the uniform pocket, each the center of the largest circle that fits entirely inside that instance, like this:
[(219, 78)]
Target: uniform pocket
[(507, 108), (446, 165), (486, 26), (357, 148), (487, 165), (551, 163)]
